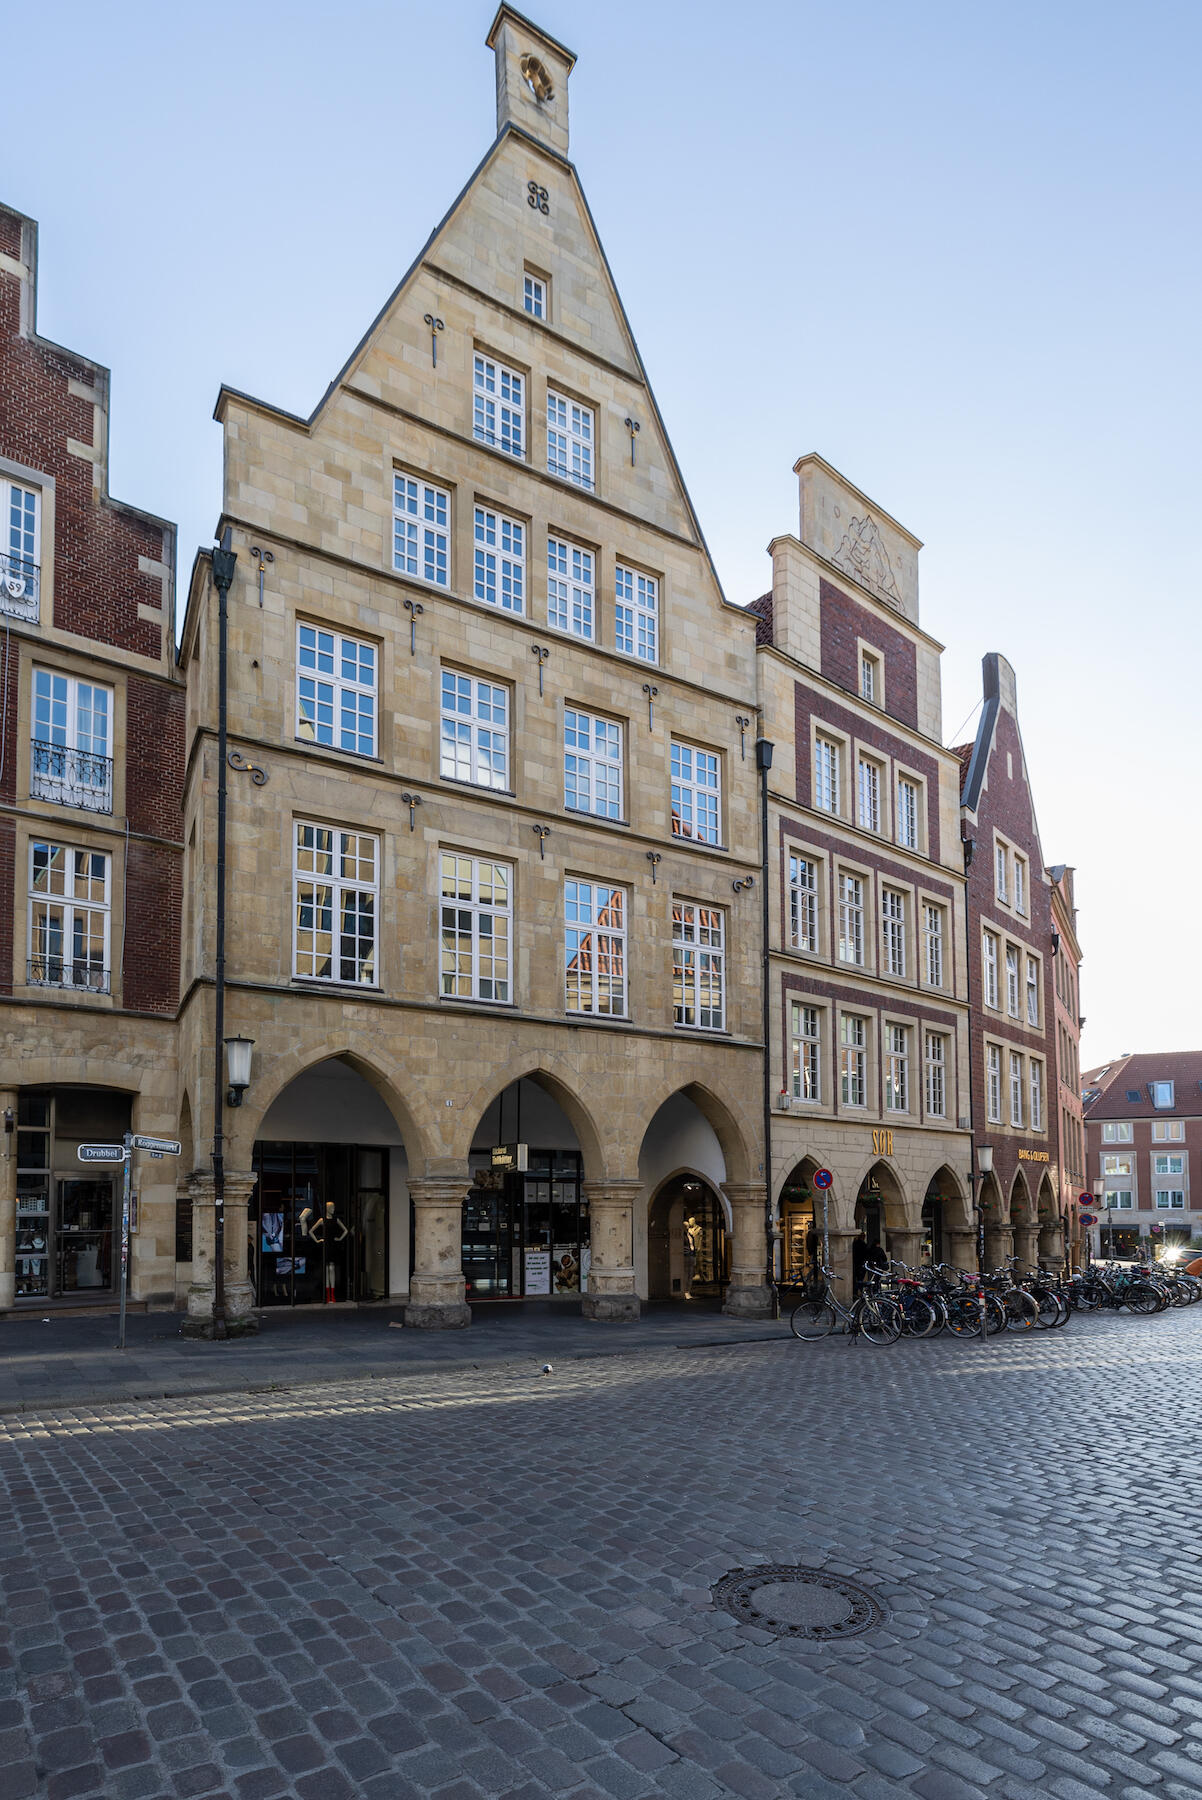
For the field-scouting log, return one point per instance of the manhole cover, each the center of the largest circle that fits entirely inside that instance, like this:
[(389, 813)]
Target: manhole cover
[(793, 1602)]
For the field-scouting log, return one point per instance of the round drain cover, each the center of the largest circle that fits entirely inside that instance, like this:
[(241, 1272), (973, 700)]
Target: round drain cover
[(795, 1602)]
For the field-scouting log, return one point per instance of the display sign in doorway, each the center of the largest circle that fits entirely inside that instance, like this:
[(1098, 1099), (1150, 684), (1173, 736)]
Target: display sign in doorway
[(538, 1271)]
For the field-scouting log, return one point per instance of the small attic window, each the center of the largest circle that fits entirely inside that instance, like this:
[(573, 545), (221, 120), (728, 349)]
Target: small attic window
[(1134, 1096), (537, 78), (1161, 1094)]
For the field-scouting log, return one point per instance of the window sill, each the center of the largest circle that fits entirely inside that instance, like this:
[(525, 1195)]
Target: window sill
[(708, 1032), (359, 756), (423, 581), (478, 787), (580, 812), (316, 984)]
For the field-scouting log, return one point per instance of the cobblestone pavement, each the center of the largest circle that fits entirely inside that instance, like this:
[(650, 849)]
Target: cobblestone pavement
[(492, 1583)]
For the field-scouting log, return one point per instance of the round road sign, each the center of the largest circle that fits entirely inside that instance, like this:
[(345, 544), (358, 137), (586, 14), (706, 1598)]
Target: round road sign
[(823, 1179), (1084, 1199), (1089, 1218)]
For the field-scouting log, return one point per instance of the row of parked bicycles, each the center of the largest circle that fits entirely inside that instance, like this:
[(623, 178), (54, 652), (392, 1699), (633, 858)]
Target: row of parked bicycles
[(922, 1303)]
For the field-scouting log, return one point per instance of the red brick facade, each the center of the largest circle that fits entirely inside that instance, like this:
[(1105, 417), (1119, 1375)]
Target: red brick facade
[(845, 623)]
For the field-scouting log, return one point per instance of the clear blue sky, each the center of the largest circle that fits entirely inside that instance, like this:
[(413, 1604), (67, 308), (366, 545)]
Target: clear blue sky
[(952, 247)]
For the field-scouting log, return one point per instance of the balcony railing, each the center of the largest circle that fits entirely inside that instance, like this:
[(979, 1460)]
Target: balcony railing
[(71, 777), (20, 586), (61, 972)]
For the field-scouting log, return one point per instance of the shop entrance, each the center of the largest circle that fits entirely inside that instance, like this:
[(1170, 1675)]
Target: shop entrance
[(932, 1229), (66, 1217), (527, 1234), (319, 1223), (686, 1242)]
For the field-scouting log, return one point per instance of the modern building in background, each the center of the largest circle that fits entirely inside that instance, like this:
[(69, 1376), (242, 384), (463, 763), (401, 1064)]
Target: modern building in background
[(1066, 980), (1143, 1133), (91, 771)]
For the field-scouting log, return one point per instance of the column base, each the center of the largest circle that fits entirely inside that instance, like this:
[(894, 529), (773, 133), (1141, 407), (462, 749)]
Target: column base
[(434, 1315), (612, 1309), (240, 1326), (750, 1303)]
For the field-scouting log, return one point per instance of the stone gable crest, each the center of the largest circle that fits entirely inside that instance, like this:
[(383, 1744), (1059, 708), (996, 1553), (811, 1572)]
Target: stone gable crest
[(863, 555)]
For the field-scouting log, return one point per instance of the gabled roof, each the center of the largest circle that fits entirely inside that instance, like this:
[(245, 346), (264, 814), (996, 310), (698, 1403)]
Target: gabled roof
[(1134, 1074)]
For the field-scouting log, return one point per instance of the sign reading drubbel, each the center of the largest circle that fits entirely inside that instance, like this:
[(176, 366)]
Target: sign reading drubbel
[(101, 1153)]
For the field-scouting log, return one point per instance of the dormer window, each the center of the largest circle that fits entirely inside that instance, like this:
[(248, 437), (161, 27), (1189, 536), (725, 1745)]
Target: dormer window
[(1161, 1095)]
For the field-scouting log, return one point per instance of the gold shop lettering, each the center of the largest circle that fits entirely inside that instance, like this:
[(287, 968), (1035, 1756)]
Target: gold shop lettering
[(882, 1143), (1034, 1156)]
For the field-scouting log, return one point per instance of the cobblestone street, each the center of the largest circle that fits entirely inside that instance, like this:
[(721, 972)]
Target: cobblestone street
[(461, 1583)]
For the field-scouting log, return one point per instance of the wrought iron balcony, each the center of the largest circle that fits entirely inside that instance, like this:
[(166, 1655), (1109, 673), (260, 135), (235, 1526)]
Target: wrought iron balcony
[(61, 972), (71, 777), (20, 586)]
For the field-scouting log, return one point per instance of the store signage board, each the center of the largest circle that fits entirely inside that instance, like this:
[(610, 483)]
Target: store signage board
[(511, 1156), (101, 1153), (538, 1271), (158, 1146)]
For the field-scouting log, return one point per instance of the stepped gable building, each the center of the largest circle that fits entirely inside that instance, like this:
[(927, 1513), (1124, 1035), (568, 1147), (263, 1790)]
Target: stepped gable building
[(91, 772), (1143, 1130), (1011, 947), (1066, 979), (488, 889), (867, 980)]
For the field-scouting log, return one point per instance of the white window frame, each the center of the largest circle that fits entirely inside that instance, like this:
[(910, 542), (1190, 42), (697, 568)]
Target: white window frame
[(535, 295), (993, 1083), (71, 730), (571, 588), (1164, 1131), (853, 1060), (340, 888), (1119, 1131), (1122, 1198), (1163, 1163), (1012, 994), (696, 793), (336, 685), (932, 919), (499, 560), (851, 919), (1035, 1083), (571, 431), (1001, 881), (498, 406), (20, 549), (421, 529), (1020, 884), (481, 930), (897, 1068), (803, 903), (870, 677), (699, 966), (1033, 982), (77, 923), (989, 960), (1118, 1165), (827, 776), (636, 613), (473, 723), (592, 764), (805, 1052), (1162, 1094), (868, 794), (893, 931), (908, 812), (936, 1074), (1016, 1088), (595, 965), (1170, 1199)]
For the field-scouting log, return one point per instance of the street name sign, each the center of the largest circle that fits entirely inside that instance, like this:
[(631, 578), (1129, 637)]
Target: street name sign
[(101, 1153), (161, 1146)]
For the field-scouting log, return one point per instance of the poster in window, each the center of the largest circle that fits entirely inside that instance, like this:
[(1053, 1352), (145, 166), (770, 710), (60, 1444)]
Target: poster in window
[(538, 1271), (273, 1232), (566, 1269)]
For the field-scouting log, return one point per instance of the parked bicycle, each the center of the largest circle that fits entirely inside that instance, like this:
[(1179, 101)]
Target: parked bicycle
[(872, 1315)]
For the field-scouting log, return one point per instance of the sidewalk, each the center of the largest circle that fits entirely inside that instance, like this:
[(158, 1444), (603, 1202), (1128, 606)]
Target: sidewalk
[(69, 1362)]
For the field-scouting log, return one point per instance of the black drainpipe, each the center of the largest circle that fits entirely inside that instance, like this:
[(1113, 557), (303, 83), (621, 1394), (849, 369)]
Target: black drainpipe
[(763, 762)]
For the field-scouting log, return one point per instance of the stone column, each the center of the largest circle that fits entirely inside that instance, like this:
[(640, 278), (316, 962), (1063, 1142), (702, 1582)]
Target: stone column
[(1026, 1245), (841, 1266), (999, 1240), (962, 1247), (611, 1295), (906, 1246), (749, 1295), (8, 1202), (436, 1291), (1052, 1247), (240, 1316)]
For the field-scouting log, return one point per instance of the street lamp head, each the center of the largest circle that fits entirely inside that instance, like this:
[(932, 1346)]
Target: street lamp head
[(985, 1158), (1099, 1188), (237, 1062)]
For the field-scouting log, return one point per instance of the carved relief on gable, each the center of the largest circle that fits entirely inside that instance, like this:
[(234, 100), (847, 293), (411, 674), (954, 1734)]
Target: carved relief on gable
[(862, 554)]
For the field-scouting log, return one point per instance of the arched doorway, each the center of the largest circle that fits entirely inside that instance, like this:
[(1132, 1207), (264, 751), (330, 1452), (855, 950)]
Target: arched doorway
[(944, 1215), (801, 1225), (880, 1206), (526, 1215), (328, 1220), (687, 1247)]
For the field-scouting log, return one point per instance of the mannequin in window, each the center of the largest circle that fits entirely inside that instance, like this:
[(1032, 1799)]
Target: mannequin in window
[(329, 1230)]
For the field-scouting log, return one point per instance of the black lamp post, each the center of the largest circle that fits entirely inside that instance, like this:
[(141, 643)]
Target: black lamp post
[(224, 562), (763, 762)]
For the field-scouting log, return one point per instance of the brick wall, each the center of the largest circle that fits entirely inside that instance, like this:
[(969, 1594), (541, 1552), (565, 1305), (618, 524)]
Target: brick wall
[(844, 621), (875, 736), (152, 927)]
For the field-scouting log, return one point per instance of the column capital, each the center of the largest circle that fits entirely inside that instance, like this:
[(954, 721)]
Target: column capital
[(240, 1184), (745, 1193), (619, 1192), (440, 1190)]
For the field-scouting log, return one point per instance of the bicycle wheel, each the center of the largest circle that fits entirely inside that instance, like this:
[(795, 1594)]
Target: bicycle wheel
[(1048, 1303), (919, 1317), (995, 1315), (963, 1317), (1141, 1299), (812, 1320), (1022, 1310), (878, 1321)]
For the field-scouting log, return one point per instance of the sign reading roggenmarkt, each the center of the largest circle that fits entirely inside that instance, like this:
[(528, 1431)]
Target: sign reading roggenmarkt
[(101, 1153), (161, 1146)]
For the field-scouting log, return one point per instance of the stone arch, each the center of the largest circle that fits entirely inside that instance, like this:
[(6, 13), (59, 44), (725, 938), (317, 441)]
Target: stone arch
[(1047, 1208), (896, 1207), (947, 1186), (1021, 1207), (800, 1214), (244, 1123), (687, 1237), (722, 1117), (686, 1172), (468, 1117)]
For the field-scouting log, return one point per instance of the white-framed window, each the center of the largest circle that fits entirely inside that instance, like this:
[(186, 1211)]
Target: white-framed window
[(1168, 1165), (803, 903), (698, 965), (853, 1059), (476, 927), (500, 560), (989, 963), (534, 295), (1032, 990), (1012, 980), (70, 899), (474, 730), (696, 793), (570, 440), (1170, 1199), (851, 919), (1001, 873), (1161, 1094), (1116, 1165), (993, 1083), (570, 587), (870, 677), (1036, 1083), (868, 787), (1119, 1131), (595, 922), (71, 753), (592, 764), (1016, 1088), (907, 812), (1164, 1131), (893, 927), (1120, 1197), (805, 1052), (498, 406), (20, 549), (827, 797), (335, 689), (636, 613), (936, 1075), (1020, 883), (335, 882), (932, 931), (421, 516), (897, 1068)]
